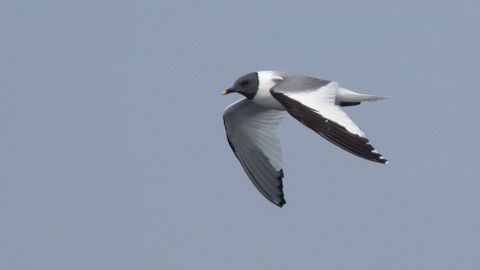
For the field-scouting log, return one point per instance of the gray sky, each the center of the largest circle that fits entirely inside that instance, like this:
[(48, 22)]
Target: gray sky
[(113, 153)]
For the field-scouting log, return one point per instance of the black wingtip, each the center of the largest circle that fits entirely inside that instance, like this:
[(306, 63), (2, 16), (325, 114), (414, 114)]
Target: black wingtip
[(346, 104), (376, 156), (281, 203)]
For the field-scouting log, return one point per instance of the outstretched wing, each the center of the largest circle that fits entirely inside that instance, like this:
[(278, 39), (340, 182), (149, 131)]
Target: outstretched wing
[(251, 132), (316, 109)]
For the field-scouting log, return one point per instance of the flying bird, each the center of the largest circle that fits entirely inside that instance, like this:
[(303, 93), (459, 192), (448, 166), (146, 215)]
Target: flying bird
[(251, 122)]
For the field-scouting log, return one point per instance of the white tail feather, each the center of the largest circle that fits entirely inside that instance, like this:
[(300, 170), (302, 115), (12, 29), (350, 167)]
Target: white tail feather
[(345, 95)]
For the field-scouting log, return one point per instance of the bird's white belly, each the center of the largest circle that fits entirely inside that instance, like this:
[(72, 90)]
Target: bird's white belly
[(268, 101)]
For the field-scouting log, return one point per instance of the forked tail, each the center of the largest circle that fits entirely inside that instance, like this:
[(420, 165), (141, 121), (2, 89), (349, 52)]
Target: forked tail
[(347, 97)]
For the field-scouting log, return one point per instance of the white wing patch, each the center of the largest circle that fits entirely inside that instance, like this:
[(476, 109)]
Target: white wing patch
[(322, 100)]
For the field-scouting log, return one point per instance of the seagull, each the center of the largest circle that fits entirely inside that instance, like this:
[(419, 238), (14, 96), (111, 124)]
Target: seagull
[(251, 122)]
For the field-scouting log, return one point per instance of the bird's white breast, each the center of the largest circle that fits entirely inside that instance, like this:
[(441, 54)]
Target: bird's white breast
[(267, 80)]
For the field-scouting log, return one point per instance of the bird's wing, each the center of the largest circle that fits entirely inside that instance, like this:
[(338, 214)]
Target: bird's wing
[(251, 132), (316, 109)]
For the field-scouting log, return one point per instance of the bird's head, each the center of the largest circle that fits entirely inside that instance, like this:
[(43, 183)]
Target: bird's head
[(246, 85)]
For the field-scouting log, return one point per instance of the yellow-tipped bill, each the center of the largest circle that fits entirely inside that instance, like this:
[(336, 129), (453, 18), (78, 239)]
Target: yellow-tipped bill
[(224, 92)]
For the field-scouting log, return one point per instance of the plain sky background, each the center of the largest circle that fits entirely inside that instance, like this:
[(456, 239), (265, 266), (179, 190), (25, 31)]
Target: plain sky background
[(113, 153)]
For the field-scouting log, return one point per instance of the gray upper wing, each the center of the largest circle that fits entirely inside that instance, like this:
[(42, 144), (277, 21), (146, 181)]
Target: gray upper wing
[(251, 133), (299, 83)]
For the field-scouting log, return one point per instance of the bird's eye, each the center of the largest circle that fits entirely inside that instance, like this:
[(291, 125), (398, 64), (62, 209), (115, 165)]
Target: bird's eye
[(243, 83)]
